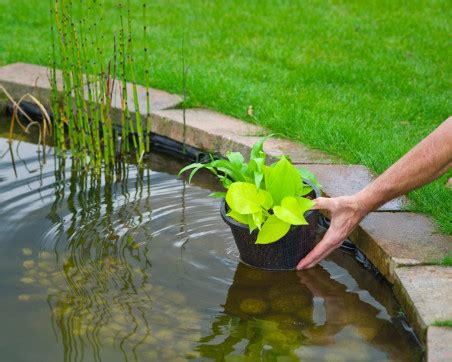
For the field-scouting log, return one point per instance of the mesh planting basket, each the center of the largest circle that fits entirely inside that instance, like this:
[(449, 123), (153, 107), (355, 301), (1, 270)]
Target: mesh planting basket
[(283, 254)]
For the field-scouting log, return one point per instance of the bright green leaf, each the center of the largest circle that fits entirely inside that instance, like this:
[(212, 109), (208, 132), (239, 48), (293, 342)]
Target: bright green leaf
[(258, 148), (306, 190), (290, 211), (282, 180), (251, 223), (258, 218), (243, 219), (196, 169), (218, 195), (256, 164), (305, 204), (189, 167), (252, 166), (226, 182), (258, 177), (272, 230), (309, 176), (236, 158), (230, 169), (250, 180), (255, 168), (244, 198), (265, 199)]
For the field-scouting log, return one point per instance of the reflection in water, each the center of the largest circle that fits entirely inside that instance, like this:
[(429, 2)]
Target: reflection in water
[(94, 268), (270, 314), (97, 278), (264, 315)]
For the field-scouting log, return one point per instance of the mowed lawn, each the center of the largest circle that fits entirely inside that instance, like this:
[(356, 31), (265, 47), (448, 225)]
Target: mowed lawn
[(365, 80)]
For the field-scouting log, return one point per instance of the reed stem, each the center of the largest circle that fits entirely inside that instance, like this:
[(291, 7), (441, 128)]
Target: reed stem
[(82, 115)]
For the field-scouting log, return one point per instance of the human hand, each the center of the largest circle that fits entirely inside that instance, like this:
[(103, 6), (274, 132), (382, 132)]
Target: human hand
[(346, 212)]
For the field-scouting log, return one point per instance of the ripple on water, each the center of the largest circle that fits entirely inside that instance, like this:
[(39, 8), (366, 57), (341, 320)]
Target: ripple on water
[(141, 266)]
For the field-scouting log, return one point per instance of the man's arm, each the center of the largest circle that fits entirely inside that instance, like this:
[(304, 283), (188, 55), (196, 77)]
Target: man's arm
[(428, 160)]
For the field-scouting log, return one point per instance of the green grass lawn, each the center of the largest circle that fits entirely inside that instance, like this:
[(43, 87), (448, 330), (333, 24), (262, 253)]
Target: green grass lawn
[(365, 80), (446, 323)]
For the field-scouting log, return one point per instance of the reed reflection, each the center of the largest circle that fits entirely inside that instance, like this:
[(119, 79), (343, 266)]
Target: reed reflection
[(97, 276)]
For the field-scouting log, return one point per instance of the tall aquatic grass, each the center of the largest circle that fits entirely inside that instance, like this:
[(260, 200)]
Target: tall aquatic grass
[(91, 73)]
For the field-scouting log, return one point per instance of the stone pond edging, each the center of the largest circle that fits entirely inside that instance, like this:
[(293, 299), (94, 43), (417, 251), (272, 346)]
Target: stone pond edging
[(402, 245)]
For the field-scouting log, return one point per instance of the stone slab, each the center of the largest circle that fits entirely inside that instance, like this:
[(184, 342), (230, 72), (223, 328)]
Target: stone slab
[(439, 344), (205, 129), (391, 240), (217, 132), (342, 180), (425, 293), (158, 99), (21, 78), (298, 153)]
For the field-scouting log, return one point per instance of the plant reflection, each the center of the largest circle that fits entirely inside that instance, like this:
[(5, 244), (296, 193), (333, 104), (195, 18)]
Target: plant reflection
[(307, 314)]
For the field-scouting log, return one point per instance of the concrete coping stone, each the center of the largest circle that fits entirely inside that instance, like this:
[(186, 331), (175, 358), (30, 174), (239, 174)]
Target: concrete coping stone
[(22, 78), (439, 346), (216, 132), (391, 240), (425, 293)]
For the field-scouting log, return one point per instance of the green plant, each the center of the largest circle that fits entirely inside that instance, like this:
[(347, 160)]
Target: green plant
[(267, 198), (83, 119)]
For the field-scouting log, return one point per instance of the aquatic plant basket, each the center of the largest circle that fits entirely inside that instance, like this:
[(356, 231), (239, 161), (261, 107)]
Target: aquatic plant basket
[(283, 254)]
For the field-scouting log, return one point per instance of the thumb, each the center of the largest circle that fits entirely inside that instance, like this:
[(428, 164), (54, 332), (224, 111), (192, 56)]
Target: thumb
[(322, 203)]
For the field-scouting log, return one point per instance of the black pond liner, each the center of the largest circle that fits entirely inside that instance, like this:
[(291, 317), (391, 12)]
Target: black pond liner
[(283, 254)]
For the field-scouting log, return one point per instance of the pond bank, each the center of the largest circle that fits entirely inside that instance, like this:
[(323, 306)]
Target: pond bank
[(400, 244)]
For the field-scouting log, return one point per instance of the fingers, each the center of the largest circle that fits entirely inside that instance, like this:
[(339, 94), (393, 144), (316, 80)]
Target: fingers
[(320, 252), (344, 217)]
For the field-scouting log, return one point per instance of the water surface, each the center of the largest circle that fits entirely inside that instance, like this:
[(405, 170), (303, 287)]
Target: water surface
[(139, 266)]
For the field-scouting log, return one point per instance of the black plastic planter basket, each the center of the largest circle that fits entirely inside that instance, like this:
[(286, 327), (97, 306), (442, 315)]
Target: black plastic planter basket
[(283, 254)]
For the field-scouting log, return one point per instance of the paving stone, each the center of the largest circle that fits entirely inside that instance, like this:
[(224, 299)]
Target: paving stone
[(212, 122), (217, 132), (439, 346), (391, 240), (342, 180), (425, 293), (21, 78), (298, 153), (158, 99), (205, 129)]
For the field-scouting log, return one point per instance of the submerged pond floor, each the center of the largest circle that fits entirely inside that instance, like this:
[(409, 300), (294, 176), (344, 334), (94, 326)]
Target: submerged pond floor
[(142, 268)]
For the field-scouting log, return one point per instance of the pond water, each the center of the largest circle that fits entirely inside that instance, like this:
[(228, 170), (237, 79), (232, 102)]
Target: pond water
[(141, 267)]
